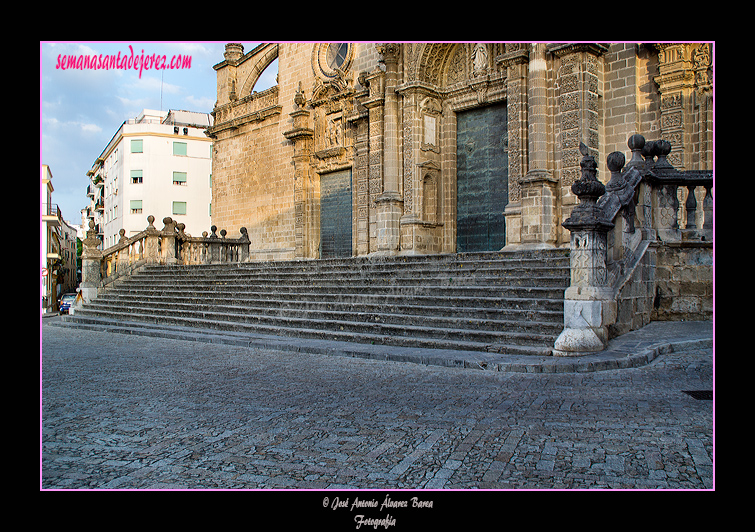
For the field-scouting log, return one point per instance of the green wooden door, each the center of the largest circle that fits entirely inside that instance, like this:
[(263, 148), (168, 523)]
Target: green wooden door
[(481, 178), (335, 214)]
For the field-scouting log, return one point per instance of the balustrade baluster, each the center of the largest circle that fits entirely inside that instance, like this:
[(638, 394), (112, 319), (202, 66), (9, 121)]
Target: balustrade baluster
[(691, 207), (708, 208)]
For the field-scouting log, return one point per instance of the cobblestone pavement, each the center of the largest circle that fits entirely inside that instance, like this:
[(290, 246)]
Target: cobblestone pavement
[(130, 412)]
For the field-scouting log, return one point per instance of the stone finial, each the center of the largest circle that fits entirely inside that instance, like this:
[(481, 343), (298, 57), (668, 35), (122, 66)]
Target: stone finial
[(299, 98), (648, 152), (91, 241), (636, 143), (588, 185), (233, 51), (615, 162), (168, 224), (661, 149), (588, 189)]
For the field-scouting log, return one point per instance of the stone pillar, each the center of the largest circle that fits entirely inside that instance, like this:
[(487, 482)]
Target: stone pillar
[(152, 242), (577, 79), (360, 123), (214, 246), (91, 259), (244, 245), (169, 241), (589, 306), (389, 203), (375, 105), (306, 230), (515, 61), (122, 260), (538, 186), (233, 52)]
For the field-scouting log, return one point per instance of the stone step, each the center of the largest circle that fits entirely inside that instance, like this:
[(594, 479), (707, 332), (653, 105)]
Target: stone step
[(543, 281), (307, 269), (501, 302), (502, 274), (474, 308), (353, 315), (397, 336), (521, 297)]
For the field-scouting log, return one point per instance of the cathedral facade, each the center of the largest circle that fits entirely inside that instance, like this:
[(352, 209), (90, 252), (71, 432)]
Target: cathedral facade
[(422, 148)]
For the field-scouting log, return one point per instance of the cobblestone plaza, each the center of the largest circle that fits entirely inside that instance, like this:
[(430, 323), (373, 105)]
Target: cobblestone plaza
[(130, 412)]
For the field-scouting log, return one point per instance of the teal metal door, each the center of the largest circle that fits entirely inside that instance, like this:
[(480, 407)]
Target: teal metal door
[(481, 178), (335, 214)]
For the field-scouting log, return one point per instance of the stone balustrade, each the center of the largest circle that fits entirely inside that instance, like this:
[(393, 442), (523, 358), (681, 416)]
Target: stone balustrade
[(614, 231), (169, 245)]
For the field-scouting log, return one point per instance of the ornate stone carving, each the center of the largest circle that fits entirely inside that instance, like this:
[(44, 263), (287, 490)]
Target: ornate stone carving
[(479, 60)]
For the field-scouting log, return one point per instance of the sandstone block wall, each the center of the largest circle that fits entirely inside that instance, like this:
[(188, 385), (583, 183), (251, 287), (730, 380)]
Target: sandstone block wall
[(684, 283)]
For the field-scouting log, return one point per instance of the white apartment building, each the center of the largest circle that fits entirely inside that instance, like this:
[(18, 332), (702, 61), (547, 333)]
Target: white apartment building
[(159, 163)]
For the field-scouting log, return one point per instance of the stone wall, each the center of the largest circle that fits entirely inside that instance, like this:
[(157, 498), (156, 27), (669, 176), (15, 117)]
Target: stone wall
[(634, 304), (251, 188), (684, 282)]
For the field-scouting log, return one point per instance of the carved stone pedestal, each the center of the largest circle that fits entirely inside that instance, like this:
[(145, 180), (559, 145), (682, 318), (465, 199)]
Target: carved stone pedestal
[(588, 303)]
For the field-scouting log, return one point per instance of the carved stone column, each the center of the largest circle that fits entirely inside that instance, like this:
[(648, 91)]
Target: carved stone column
[(515, 60), (577, 79), (538, 186), (588, 303), (360, 121), (374, 103), (390, 203), (306, 232)]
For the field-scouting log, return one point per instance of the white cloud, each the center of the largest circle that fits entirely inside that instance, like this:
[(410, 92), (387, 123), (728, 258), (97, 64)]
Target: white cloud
[(202, 105), (91, 128), (51, 123)]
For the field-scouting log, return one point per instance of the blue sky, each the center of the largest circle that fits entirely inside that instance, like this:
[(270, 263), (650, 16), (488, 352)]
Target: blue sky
[(81, 110)]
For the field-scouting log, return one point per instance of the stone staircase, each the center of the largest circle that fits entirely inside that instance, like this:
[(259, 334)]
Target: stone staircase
[(502, 302)]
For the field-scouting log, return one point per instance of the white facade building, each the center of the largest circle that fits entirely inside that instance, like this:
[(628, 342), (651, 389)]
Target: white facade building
[(159, 163)]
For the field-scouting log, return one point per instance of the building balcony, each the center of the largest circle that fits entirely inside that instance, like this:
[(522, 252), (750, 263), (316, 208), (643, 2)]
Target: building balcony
[(50, 214)]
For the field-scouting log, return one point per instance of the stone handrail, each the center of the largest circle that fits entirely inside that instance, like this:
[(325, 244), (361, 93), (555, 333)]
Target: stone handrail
[(171, 245), (646, 203)]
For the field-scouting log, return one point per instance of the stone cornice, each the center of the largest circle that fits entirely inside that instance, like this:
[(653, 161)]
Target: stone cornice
[(235, 123), (562, 49), (514, 57), (418, 86)]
